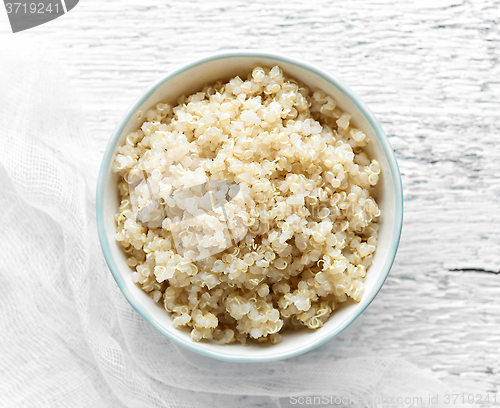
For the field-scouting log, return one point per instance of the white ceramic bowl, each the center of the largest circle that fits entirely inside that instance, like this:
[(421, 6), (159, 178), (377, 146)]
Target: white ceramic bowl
[(191, 78)]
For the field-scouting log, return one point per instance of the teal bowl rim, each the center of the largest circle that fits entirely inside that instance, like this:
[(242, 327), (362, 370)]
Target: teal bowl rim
[(108, 159)]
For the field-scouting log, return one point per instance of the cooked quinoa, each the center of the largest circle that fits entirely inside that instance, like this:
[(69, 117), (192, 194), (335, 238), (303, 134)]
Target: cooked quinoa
[(297, 229)]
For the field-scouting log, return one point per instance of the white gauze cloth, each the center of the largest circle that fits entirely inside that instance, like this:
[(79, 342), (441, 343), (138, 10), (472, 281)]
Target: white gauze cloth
[(69, 338)]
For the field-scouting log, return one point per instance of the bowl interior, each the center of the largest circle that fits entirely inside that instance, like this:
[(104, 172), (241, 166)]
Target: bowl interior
[(191, 79)]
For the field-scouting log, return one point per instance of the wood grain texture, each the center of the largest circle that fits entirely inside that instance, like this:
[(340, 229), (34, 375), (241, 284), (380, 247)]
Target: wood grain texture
[(430, 72)]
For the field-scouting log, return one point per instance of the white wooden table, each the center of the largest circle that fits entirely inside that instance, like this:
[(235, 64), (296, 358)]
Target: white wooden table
[(430, 72)]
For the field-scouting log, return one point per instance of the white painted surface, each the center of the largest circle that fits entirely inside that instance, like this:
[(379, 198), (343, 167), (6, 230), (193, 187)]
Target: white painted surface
[(430, 72)]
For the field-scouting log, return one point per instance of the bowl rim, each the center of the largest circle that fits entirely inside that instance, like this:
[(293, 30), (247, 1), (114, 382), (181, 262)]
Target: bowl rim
[(389, 153)]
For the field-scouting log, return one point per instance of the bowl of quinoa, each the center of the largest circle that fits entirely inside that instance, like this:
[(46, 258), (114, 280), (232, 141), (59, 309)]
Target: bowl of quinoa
[(249, 206)]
